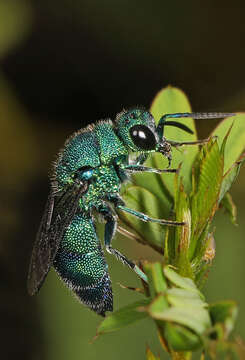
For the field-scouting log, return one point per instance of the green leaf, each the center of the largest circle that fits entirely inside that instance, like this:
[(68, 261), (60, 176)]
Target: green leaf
[(123, 317), (205, 198), (224, 312), (156, 279), (142, 200), (180, 281), (196, 319), (186, 304), (184, 298), (182, 233), (180, 338), (158, 305), (167, 101), (211, 172), (230, 176), (184, 307), (228, 204), (236, 140)]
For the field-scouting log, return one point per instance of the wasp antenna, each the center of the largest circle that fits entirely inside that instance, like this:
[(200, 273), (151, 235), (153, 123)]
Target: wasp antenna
[(179, 125), (163, 121), (211, 115)]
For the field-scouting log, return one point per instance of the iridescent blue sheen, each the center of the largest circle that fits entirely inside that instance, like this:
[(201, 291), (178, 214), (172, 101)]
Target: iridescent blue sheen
[(97, 154), (86, 180)]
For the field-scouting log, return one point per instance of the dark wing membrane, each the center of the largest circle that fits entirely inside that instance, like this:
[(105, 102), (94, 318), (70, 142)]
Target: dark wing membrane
[(58, 214)]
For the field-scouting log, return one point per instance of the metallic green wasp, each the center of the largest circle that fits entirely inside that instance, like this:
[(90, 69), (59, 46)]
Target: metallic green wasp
[(86, 179)]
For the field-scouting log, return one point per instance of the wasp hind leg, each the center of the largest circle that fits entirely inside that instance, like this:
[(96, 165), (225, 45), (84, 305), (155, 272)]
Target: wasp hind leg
[(81, 264), (110, 229)]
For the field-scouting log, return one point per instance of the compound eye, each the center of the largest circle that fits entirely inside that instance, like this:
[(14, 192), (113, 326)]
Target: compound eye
[(143, 137)]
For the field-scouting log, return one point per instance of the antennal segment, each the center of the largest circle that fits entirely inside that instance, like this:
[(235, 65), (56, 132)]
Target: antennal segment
[(163, 121)]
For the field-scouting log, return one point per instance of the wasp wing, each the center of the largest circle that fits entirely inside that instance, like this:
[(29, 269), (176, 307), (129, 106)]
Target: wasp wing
[(58, 214)]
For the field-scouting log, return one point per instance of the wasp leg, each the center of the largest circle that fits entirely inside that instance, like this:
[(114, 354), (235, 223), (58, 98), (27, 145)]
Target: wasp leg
[(141, 159), (198, 142), (141, 168), (146, 218), (110, 229)]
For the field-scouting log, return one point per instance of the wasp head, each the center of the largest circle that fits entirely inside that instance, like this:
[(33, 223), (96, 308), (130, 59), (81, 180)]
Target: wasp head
[(137, 129)]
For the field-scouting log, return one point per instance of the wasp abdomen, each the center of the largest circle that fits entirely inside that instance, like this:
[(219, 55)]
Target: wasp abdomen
[(98, 298), (81, 264)]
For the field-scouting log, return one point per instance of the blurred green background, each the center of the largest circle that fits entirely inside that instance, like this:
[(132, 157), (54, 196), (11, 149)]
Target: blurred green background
[(64, 64)]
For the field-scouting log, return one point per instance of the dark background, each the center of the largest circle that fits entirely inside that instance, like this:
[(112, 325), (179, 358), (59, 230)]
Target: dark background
[(64, 64)]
